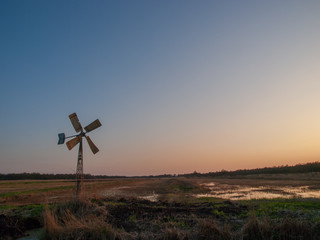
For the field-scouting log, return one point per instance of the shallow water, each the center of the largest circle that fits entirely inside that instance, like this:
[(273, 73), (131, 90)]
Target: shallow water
[(237, 192), (227, 191), (34, 234), (118, 191), (152, 198)]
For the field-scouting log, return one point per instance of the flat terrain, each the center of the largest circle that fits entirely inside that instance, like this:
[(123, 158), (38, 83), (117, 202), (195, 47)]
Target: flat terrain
[(164, 208), (48, 191)]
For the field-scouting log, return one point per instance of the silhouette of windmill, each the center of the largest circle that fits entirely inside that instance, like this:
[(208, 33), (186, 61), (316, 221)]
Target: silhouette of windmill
[(78, 139)]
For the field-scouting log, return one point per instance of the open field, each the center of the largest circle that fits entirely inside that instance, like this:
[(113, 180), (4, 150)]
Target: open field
[(48, 191), (163, 208)]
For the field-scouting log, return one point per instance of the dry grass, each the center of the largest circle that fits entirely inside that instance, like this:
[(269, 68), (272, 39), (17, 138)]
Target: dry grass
[(138, 219), (256, 229), (210, 230), (17, 192), (171, 234), (50, 222), (295, 229), (287, 229), (78, 219)]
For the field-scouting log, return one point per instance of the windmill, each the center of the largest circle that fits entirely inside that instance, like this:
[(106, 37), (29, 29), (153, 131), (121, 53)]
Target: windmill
[(78, 139)]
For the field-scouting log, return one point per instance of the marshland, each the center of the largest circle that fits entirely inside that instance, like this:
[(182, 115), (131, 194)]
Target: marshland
[(263, 206)]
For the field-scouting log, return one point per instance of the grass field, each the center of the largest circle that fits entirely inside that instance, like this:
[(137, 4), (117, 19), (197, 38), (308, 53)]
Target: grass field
[(160, 208)]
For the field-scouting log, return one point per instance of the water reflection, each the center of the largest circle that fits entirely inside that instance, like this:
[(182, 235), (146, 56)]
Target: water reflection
[(237, 192), (152, 198), (123, 192)]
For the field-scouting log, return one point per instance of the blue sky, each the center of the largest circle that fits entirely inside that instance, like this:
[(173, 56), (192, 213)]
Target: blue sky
[(178, 85)]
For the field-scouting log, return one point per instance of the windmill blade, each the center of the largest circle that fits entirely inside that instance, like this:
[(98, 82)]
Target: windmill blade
[(93, 147), (74, 141), (75, 122), (92, 126)]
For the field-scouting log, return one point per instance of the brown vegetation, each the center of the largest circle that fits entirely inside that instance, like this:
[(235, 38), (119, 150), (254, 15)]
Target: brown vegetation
[(78, 219), (138, 219), (176, 215)]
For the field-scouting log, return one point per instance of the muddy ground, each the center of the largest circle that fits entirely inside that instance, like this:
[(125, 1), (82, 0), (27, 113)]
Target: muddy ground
[(133, 218)]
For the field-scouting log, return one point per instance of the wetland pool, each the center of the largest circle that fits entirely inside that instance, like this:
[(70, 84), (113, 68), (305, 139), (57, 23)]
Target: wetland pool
[(240, 192), (227, 191)]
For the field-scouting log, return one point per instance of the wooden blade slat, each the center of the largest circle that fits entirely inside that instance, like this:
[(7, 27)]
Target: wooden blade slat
[(95, 124), (93, 147), (75, 122), (74, 141)]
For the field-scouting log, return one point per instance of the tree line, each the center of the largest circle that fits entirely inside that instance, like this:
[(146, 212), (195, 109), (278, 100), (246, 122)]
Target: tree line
[(41, 176), (299, 168)]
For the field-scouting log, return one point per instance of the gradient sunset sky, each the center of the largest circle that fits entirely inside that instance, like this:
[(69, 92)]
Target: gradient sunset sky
[(179, 86)]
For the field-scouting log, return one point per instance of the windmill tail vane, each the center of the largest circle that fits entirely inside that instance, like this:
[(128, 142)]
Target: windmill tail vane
[(78, 139)]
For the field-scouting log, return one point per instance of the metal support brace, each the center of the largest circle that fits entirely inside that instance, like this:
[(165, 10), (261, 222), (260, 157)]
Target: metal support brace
[(79, 173)]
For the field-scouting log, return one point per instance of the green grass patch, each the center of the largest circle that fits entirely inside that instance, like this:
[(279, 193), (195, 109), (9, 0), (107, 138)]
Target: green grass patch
[(273, 207), (218, 213), (30, 182), (12, 194), (7, 207), (132, 218), (206, 200), (183, 188), (32, 210), (35, 210), (115, 203)]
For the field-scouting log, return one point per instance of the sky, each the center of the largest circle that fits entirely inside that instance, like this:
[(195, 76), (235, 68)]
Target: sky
[(179, 86)]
